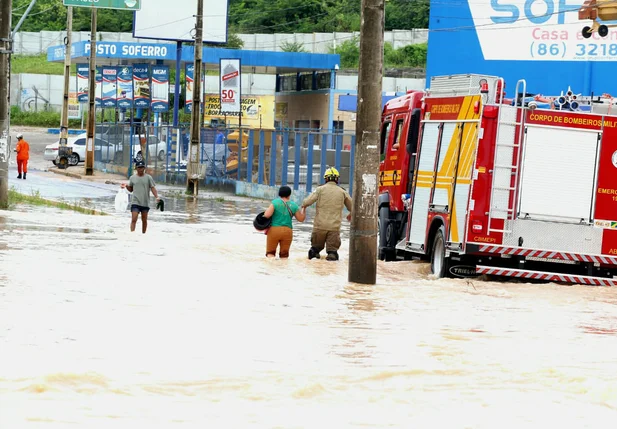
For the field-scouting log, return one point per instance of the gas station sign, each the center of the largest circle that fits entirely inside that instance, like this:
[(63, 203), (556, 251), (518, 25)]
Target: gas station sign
[(105, 4)]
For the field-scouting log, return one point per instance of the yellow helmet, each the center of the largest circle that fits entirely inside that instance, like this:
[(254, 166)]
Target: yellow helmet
[(331, 173)]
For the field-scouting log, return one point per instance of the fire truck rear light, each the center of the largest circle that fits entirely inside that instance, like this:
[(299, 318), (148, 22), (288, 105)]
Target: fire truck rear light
[(483, 86)]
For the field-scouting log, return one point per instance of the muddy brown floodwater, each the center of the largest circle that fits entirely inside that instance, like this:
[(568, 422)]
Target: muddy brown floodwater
[(190, 326)]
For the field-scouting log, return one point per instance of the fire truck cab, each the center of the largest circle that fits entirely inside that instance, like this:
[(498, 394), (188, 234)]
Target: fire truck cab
[(478, 184)]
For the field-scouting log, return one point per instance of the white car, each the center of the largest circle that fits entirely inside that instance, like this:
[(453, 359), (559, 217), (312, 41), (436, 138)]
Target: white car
[(108, 152)]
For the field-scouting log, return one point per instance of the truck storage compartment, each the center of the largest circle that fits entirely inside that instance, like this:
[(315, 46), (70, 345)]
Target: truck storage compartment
[(558, 174)]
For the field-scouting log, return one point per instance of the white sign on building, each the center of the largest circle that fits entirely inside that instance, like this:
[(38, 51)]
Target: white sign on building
[(230, 85)]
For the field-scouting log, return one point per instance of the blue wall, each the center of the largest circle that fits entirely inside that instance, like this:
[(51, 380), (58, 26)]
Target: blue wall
[(513, 41)]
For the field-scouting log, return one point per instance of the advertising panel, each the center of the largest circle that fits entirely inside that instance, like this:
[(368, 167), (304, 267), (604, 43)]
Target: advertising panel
[(175, 20), (230, 85), (98, 97), (257, 111), (542, 42), (141, 85), (110, 90), (83, 72), (160, 88), (74, 106), (125, 87), (189, 74)]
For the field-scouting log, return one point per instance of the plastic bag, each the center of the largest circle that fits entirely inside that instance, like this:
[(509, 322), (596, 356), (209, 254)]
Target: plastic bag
[(122, 200)]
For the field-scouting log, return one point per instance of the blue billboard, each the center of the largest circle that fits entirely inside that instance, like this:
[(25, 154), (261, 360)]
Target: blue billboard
[(541, 41)]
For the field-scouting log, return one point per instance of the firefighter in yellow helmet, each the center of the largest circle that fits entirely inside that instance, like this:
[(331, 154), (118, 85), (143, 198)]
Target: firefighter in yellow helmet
[(330, 199)]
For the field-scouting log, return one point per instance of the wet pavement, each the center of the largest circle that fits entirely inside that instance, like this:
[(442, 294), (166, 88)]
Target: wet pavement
[(191, 326)]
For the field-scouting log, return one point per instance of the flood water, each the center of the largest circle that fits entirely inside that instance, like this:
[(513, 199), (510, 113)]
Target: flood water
[(190, 326)]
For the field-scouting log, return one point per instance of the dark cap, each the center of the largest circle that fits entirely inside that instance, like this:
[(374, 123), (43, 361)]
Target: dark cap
[(140, 164)]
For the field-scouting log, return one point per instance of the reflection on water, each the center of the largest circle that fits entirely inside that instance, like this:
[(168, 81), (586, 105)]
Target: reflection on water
[(190, 324)]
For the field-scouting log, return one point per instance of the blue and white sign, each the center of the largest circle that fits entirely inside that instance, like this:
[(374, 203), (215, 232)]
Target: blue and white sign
[(98, 93), (547, 30), (120, 50), (540, 41), (125, 87), (110, 87), (160, 88), (141, 85), (83, 71), (189, 82)]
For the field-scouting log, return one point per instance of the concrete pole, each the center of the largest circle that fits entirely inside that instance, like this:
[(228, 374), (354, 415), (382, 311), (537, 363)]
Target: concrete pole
[(64, 119), (23, 17), (192, 172), (6, 6), (89, 167), (363, 234)]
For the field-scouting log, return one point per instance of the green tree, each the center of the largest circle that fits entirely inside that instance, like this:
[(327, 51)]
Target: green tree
[(50, 15), (407, 14), (245, 16), (292, 47), (349, 51)]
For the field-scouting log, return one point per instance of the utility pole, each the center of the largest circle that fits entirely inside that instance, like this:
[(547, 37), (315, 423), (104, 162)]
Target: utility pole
[(363, 233), (6, 47), (192, 171), (89, 167), (64, 120)]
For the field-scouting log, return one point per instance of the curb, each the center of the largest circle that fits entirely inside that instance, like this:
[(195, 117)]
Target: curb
[(65, 173), (79, 176), (56, 203)]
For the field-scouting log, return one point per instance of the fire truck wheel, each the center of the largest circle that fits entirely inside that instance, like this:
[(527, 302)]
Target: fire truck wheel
[(438, 255), (386, 233)]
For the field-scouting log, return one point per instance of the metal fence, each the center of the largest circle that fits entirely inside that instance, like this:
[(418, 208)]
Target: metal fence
[(298, 158)]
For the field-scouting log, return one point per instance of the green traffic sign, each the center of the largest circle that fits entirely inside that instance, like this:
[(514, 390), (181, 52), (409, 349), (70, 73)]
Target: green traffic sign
[(105, 4)]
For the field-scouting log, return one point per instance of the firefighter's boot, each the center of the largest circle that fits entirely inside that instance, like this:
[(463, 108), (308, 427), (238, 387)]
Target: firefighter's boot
[(313, 253), (332, 256), (25, 176), (19, 176)]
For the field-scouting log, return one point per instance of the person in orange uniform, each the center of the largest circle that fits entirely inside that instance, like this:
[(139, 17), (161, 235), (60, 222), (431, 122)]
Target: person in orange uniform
[(23, 155)]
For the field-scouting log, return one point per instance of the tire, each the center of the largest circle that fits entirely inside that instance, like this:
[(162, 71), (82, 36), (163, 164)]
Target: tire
[(54, 162), (586, 32), (439, 262), (74, 159), (161, 156), (603, 31), (139, 156), (386, 251)]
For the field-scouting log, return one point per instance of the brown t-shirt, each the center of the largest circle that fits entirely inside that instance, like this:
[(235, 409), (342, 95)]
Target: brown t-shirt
[(330, 199)]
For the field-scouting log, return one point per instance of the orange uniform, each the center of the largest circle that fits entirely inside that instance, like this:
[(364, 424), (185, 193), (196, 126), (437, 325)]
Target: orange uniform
[(23, 155)]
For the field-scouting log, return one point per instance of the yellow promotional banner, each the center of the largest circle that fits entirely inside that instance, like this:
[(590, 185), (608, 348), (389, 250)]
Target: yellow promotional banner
[(257, 111), (74, 106)]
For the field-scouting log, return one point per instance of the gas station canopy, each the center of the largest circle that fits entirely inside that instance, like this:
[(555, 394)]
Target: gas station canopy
[(264, 62)]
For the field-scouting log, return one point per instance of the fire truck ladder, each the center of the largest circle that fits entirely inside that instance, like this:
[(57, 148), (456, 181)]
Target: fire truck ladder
[(505, 164)]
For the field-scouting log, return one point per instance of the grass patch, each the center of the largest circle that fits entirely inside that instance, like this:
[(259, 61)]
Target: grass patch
[(39, 119), (35, 199), (37, 64)]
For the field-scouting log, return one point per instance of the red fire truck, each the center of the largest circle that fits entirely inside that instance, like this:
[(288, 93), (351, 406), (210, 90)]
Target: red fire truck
[(480, 185)]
